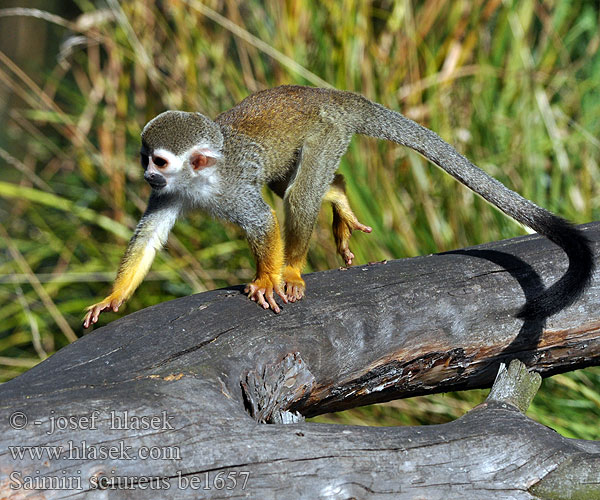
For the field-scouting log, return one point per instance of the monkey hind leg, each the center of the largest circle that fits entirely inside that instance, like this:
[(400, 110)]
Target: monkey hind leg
[(299, 223), (344, 219), (318, 162)]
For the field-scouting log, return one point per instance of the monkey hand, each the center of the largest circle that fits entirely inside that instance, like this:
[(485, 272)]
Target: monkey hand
[(261, 291), (110, 302), (342, 230)]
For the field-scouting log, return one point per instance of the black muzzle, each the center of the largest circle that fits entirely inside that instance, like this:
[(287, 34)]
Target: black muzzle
[(155, 180)]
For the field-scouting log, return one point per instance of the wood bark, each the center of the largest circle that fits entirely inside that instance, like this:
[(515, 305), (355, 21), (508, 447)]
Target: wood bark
[(189, 383)]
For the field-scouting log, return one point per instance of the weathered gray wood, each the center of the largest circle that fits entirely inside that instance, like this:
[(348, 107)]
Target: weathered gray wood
[(515, 385), (368, 334)]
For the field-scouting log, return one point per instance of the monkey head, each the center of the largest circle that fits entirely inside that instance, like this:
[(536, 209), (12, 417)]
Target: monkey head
[(179, 153)]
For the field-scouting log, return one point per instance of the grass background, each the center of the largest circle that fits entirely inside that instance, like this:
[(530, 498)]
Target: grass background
[(514, 85)]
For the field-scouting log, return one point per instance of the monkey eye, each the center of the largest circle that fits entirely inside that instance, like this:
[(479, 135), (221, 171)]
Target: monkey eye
[(158, 161), (145, 160)]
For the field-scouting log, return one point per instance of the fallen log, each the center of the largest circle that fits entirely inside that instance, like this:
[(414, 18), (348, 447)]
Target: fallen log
[(170, 401)]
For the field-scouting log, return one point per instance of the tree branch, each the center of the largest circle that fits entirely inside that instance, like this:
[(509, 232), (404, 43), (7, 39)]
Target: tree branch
[(194, 377)]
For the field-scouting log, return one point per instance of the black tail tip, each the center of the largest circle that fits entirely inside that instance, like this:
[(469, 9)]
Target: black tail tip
[(571, 286), (537, 309)]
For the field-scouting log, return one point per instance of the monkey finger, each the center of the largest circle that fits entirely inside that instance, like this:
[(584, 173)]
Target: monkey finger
[(92, 316), (89, 318), (279, 291), (271, 300), (86, 320), (252, 292), (115, 304), (255, 294), (97, 310), (261, 298)]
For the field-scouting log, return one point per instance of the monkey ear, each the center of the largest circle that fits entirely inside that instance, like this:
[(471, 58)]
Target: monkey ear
[(200, 160)]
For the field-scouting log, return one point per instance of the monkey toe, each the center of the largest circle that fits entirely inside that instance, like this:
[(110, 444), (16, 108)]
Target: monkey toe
[(294, 284), (348, 256), (344, 250), (361, 227), (348, 225), (342, 237), (294, 291)]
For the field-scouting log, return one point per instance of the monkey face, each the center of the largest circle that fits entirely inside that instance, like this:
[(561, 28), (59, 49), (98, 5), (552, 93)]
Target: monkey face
[(180, 154), (192, 174), (160, 167)]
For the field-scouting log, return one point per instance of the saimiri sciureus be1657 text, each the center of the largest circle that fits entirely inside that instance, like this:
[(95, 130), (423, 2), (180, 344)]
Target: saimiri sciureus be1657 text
[(292, 138)]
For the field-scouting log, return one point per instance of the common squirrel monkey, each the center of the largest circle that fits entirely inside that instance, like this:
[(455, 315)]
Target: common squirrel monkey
[(292, 138)]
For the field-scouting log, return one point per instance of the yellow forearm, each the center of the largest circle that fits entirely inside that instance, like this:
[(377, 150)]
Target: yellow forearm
[(132, 272)]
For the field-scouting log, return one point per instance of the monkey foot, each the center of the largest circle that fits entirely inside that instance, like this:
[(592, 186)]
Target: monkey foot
[(294, 284), (261, 291), (342, 237), (93, 312)]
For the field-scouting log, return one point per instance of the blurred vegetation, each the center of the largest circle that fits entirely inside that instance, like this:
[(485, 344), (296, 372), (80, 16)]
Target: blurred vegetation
[(512, 84)]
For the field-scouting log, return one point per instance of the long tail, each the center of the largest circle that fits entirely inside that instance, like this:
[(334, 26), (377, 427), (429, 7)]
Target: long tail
[(381, 122)]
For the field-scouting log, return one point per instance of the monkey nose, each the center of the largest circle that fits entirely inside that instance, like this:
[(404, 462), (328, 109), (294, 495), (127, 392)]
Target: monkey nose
[(156, 181)]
